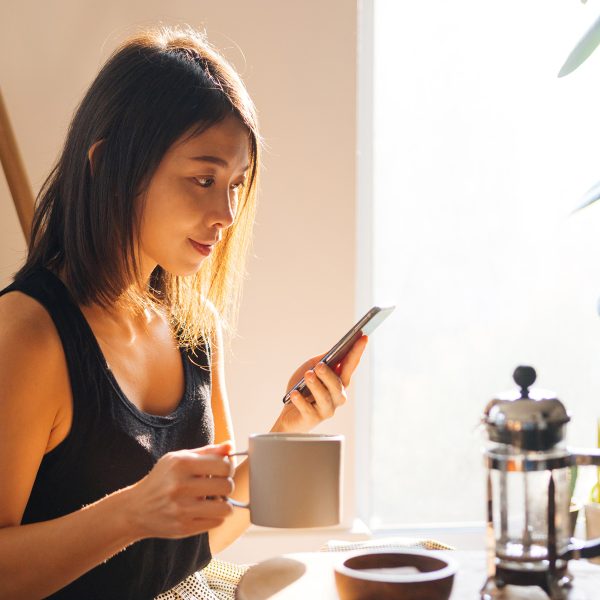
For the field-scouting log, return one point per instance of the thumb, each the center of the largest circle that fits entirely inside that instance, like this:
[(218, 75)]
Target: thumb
[(223, 449)]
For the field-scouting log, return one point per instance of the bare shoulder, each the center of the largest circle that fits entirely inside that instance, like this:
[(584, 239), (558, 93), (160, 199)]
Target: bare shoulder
[(219, 400), (216, 339), (25, 322), (34, 398), (211, 309), (30, 347)]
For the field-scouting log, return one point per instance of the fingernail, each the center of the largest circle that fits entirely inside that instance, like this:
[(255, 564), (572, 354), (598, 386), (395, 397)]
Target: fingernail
[(320, 367)]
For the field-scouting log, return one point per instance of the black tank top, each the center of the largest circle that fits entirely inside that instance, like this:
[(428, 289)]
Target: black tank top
[(111, 445)]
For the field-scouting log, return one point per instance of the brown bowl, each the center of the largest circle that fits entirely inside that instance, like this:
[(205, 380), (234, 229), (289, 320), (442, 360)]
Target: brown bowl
[(378, 574)]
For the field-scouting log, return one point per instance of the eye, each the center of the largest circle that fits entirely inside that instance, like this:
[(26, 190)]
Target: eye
[(204, 182), (238, 186)]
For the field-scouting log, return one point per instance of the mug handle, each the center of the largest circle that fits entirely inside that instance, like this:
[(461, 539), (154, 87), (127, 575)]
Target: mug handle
[(231, 500)]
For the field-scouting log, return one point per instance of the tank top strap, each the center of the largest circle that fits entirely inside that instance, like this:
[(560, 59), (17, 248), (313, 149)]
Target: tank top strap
[(82, 354)]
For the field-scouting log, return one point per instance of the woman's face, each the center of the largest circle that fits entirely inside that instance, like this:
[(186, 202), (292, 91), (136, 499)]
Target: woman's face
[(192, 198)]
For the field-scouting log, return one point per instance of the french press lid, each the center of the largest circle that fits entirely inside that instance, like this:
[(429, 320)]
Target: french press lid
[(527, 419)]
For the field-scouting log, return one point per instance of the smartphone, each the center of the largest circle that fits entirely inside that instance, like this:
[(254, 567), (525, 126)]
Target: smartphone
[(364, 326)]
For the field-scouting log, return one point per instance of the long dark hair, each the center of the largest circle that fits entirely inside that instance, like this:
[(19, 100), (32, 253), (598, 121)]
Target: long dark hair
[(153, 89)]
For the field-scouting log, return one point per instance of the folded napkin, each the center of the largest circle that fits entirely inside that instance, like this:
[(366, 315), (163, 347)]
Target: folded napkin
[(217, 581), (385, 543)]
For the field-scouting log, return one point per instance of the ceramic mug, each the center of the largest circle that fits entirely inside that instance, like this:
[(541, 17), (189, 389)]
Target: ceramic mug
[(295, 479)]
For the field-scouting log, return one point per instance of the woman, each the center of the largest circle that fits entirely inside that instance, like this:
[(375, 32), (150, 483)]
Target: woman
[(114, 418)]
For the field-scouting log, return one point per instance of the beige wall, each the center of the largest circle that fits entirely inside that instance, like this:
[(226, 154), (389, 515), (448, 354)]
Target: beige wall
[(298, 61)]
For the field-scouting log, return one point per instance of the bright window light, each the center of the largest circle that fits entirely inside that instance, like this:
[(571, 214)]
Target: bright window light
[(480, 154)]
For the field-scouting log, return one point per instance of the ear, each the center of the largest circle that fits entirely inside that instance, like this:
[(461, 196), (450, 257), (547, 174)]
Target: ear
[(94, 154)]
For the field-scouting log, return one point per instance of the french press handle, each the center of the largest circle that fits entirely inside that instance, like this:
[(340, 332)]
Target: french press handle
[(585, 458), (577, 548)]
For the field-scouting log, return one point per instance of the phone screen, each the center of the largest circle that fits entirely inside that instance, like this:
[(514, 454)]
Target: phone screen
[(364, 326)]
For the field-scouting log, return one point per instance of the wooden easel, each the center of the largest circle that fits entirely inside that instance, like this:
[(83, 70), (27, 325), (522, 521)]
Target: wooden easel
[(14, 170)]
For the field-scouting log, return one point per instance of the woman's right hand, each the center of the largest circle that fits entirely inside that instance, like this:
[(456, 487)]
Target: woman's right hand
[(184, 494)]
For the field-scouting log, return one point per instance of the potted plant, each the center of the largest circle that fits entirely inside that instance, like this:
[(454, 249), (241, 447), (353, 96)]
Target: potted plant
[(583, 49)]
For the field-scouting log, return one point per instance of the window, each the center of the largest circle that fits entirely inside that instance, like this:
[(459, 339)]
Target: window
[(479, 153)]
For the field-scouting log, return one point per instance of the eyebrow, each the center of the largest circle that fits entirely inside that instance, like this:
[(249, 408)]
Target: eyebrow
[(215, 160)]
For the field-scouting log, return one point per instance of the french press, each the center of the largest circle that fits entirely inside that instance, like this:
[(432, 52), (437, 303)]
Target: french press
[(528, 471)]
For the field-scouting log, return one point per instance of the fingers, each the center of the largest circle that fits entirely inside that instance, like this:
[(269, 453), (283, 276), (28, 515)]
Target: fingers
[(192, 498), (219, 449), (201, 487), (329, 393), (326, 389), (184, 493), (351, 360), (217, 508), (330, 381), (307, 410), (304, 405), (210, 508), (192, 463), (327, 386), (191, 518)]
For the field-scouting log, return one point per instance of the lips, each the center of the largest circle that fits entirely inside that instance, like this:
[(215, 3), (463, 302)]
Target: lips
[(204, 249)]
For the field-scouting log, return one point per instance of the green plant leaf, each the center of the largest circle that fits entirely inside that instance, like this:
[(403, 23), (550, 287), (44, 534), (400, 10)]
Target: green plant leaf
[(596, 488), (589, 197), (595, 494), (586, 45), (572, 481)]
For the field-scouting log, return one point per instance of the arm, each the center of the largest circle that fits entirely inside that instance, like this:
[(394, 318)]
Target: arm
[(300, 415), (39, 559), (224, 535)]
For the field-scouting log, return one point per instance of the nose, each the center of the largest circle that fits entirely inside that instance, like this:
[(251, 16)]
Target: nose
[(222, 214)]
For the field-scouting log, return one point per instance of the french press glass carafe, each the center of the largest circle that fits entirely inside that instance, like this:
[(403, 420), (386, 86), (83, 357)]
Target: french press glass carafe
[(528, 470)]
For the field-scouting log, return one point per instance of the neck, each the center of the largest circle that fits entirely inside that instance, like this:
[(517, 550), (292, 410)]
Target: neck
[(120, 321)]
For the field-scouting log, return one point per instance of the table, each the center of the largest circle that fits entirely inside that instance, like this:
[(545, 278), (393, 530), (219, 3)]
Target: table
[(309, 576)]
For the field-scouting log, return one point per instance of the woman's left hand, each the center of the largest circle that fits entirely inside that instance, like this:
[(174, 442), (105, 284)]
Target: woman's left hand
[(327, 387)]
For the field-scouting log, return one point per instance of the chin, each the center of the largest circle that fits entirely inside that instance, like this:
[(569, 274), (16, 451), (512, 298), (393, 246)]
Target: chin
[(181, 270)]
